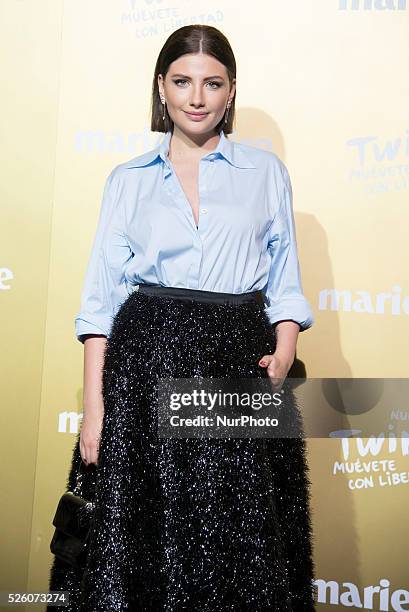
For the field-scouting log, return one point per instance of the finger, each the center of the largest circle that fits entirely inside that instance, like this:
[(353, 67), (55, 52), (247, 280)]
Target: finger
[(82, 452), (94, 458), (265, 360), (87, 455)]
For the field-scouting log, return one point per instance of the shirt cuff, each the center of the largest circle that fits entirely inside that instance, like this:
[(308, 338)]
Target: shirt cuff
[(84, 327), (296, 309)]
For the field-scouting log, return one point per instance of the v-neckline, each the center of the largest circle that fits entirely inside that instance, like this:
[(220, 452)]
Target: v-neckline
[(196, 227)]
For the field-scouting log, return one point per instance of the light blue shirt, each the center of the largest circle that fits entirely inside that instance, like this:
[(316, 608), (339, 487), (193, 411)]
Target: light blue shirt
[(146, 232)]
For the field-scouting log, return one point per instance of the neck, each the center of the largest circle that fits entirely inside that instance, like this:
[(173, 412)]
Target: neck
[(183, 146)]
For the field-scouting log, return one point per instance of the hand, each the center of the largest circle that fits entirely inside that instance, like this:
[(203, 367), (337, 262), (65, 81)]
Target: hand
[(277, 368), (90, 438)]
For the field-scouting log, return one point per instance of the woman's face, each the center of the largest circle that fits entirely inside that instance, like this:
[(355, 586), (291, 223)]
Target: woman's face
[(196, 83)]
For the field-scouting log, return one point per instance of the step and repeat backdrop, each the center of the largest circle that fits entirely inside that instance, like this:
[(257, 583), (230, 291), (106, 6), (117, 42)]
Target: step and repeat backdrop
[(324, 85)]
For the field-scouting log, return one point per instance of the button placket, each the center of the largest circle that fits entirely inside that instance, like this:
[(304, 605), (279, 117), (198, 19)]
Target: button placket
[(204, 180), (194, 272), (201, 191), (178, 195)]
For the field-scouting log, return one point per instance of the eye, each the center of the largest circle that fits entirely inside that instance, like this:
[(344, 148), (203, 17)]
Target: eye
[(216, 85)]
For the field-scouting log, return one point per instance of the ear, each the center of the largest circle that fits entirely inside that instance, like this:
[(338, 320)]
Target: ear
[(160, 84), (232, 90)]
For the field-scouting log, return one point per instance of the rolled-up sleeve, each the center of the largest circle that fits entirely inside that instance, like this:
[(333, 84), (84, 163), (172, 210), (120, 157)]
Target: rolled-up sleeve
[(105, 286), (283, 294)]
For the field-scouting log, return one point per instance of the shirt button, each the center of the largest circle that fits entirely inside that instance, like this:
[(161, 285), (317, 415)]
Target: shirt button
[(203, 210)]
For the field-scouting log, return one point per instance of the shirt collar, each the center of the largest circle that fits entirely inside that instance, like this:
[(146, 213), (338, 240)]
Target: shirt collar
[(228, 149)]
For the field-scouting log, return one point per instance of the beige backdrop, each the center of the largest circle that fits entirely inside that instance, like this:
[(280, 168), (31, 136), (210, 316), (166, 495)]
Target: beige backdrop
[(325, 85)]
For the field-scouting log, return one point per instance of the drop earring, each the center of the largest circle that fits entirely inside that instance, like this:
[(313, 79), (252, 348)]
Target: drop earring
[(163, 102), (227, 112)]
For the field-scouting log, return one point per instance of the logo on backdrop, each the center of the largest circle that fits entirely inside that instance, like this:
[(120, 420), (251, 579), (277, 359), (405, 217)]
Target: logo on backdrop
[(69, 422), (379, 164), (369, 5), (135, 143), (151, 18), (5, 275), (361, 463), (101, 141), (372, 597), (363, 302)]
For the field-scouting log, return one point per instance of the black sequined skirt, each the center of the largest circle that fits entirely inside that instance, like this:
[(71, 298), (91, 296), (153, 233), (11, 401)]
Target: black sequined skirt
[(190, 524)]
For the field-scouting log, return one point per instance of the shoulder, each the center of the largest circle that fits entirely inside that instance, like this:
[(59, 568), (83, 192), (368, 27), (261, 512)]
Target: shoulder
[(140, 161), (121, 173), (265, 160)]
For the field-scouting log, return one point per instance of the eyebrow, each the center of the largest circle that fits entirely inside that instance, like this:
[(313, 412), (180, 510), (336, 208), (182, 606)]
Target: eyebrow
[(215, 76)]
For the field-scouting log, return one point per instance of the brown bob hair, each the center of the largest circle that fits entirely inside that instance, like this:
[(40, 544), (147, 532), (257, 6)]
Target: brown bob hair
[(195, 38)]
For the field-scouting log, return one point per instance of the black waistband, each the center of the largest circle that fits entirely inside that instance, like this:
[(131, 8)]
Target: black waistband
[(199, 295)]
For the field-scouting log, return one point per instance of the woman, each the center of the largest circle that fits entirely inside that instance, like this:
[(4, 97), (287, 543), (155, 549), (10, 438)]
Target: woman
[(193, 273)]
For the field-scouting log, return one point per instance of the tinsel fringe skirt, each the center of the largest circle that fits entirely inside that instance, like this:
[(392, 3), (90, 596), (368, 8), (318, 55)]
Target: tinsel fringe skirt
[(208, 524)]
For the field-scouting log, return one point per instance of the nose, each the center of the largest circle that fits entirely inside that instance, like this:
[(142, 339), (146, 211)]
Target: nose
[(197, 97)]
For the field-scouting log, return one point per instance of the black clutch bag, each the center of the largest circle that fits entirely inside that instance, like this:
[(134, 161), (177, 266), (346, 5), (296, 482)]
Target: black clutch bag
[(72, 522)]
